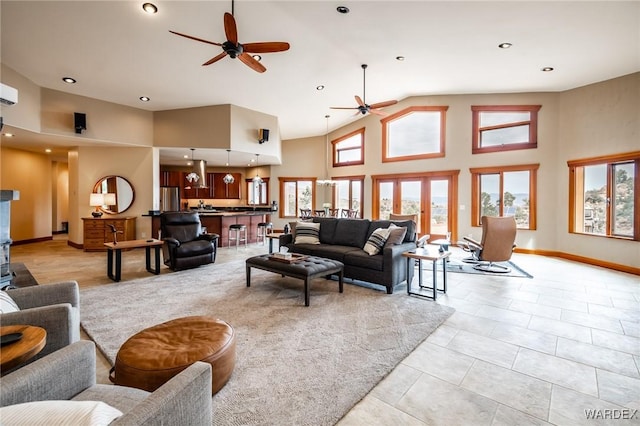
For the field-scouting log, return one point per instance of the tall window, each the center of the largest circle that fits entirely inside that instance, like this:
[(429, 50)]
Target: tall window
[(296, 193), (603, 196), (504, 127), (505, 191), (348, 193), (349, 149), (414, 133)]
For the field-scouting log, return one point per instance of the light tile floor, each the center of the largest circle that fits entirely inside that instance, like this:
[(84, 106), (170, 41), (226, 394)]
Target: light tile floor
[(517, 351), (521, 351)]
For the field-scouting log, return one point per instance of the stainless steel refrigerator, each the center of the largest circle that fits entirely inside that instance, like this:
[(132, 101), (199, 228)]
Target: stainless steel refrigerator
[(169, 199)]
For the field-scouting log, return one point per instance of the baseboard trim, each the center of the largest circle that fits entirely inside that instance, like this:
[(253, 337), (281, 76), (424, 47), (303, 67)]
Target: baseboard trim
[(75, 245), (31, 240), (582, 259)]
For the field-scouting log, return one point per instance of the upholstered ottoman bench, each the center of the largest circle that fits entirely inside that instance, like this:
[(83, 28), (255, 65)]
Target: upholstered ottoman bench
[(151, 357), (306, 269)]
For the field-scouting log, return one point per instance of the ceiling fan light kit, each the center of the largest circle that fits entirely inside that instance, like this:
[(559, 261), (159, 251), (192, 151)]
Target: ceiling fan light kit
[(363, 107), (248, 53)]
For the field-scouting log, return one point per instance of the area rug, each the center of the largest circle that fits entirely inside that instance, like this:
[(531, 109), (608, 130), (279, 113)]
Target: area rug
[(295, 365)]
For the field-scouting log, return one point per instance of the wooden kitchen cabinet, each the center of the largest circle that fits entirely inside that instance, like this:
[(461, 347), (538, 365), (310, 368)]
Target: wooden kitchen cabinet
[(227, 191), (97, 232), (171, 178)]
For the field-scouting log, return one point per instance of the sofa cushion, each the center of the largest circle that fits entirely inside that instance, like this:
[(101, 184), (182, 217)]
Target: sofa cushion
[(376, 241), (361, 259), (333, 252), (409, 224), (396, 235), (307, 233), (7, 304), (327, 229), (94, 413), (351, 232)]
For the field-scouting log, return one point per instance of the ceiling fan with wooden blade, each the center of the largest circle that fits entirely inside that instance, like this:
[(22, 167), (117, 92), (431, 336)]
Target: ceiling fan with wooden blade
[(363, 107), (234, 49)]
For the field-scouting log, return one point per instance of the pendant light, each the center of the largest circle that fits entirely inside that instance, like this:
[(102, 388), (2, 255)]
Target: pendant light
[(193, 176), (257, 179), (228, 178), (326, 181)]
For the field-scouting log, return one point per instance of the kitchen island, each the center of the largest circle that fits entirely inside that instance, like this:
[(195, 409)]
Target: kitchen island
[(217, 222)]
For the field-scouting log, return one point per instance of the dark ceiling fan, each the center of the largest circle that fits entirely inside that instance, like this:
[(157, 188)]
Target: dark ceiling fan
[(363, 107), (235, 49)]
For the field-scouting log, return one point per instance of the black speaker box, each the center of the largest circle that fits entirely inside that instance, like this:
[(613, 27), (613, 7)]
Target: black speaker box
[(80, 121), (264, 135)]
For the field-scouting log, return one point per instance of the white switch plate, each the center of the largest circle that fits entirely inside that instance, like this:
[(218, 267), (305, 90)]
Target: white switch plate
[(462, 207)]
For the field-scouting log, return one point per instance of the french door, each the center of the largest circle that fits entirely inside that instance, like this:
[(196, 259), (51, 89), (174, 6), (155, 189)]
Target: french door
[(432, 196)]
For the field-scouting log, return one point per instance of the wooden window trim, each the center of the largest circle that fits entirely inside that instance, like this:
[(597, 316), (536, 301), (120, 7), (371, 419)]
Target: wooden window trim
[(476, 172), (475, 129), (282, 180), (335, 150), (608, 160), (385, 132), (350, 179)]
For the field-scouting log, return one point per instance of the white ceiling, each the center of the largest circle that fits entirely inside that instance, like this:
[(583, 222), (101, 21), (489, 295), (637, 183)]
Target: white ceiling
[(119, 53)]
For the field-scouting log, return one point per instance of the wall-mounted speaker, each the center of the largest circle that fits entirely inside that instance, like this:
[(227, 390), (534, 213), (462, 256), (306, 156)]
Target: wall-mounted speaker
[(80, 121), (263, 135)]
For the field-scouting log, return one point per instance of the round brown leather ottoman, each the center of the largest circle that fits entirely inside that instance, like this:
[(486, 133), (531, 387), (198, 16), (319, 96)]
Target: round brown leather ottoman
[(151, 357)]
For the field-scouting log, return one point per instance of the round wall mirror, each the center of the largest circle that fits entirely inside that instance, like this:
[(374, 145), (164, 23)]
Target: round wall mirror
[(120, 194)]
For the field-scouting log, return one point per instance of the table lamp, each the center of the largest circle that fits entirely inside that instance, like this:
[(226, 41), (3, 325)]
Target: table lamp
[(97, 201)]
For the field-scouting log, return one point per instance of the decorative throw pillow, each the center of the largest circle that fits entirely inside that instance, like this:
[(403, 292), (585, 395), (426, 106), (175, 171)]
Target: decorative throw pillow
[(396, 235), (307, 233), (376, 241), (7, 304), (59, 413)]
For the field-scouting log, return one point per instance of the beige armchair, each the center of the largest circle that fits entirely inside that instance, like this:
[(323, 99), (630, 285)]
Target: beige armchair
[(497, 244)]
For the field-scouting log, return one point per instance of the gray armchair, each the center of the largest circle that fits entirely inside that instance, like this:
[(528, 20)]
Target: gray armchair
[(70, 374), (54, 307)]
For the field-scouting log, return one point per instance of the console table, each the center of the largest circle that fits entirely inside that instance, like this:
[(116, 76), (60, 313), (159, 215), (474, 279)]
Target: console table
[(133, 244), (97, 231)]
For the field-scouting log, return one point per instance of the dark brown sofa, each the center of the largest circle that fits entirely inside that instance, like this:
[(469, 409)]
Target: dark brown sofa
[(343, 240)]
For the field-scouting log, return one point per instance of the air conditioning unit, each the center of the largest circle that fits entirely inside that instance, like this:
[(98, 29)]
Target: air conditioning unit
[(8, 95)]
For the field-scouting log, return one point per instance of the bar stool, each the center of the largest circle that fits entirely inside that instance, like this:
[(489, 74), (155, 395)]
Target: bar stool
[(263, 229), (238, 229)]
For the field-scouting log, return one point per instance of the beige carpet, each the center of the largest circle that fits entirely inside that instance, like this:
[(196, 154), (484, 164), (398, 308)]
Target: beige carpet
[(295, 365)]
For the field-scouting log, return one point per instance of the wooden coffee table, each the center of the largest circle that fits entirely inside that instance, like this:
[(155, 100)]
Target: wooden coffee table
[(13, 354), (132, 244)]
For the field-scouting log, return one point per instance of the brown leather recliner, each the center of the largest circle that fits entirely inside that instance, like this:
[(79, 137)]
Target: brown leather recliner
[(497, 244), (185, 246)]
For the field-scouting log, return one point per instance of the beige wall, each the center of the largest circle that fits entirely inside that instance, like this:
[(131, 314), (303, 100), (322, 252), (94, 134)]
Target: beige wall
[(596, 120), (106, 121), (26, 113), (203, 127), (30, 174), (600, 119), (59, 194), (92, 164)]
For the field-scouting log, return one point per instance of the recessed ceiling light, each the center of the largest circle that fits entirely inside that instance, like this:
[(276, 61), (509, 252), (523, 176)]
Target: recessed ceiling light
[(9, 135), (144, 99), (69, 80), (342, 9), (185, 156), (48, 151), (400, 58), (150, 8), (505, 45), (547, 69), (257, 57), (320, 87), (189, 163)]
